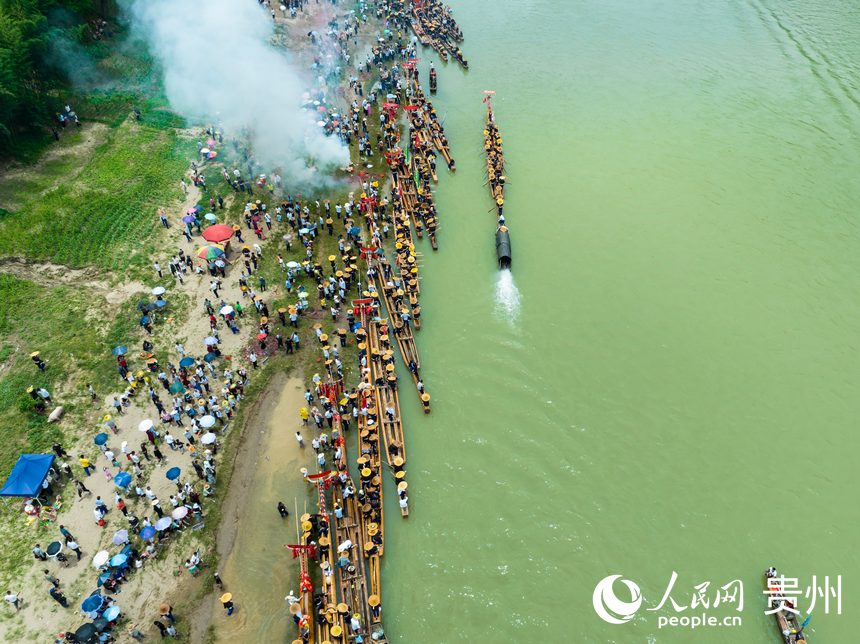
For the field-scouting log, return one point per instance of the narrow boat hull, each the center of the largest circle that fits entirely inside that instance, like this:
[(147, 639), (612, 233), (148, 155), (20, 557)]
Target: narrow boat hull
[(503, 247)]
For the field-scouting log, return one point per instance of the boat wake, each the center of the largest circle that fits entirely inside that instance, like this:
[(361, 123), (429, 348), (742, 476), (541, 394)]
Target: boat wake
[(507, 296)]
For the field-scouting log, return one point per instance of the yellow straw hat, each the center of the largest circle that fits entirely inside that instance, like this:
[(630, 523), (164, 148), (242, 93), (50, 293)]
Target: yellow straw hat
[(226, 597)]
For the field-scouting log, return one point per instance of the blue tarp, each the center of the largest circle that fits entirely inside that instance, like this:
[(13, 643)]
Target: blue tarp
[(28, 475)]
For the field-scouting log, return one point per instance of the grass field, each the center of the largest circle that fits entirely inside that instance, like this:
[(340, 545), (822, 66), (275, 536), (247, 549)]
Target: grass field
[(96, 211)]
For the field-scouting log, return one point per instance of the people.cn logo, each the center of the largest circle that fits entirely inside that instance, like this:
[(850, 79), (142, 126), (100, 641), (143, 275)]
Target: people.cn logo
[(609, 607)]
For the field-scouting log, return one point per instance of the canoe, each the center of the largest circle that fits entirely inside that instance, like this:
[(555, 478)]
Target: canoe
[(786, 621)]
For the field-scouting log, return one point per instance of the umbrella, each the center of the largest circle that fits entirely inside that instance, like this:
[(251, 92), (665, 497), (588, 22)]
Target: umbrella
[(118, 560), (179, 513), (147, 533), (261, 336), (210, 252), (54, 548), (144, 320), (212, 154), (189, 219), (173, 473), (121, 350), (354, 230), (176, 387), (111, 613), (192, 211), (207, 421), (86, 633), (100, 439), (208, 438), (226, 310), (163, 523), (159, 304), (186, 362), (104, 577), (100, 558), (304, 231), (123, 479), (218, 233), (210, 143), (293, 264), (205, 150), (158, 290), (92, 603), (210, 340), (303, 295), (210, 216), (145, 425), (209, 357), (120, 537)]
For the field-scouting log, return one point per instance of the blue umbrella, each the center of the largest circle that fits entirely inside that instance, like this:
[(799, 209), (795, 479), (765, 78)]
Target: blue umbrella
[(92, 603), (209, 357), (198, 208), (173, 473), (147, 533), (120, 350), (100, 439), (189, 219), (122, 479), (103, 577), (118, 560), (186, 361), (111, 613), (144, 320), (176, 387), (160, 304), (354, 230)]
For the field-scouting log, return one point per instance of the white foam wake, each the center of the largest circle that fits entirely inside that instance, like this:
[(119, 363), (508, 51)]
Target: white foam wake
[(507, 295)]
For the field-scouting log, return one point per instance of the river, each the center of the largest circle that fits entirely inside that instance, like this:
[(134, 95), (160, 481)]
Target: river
[(669, 382)]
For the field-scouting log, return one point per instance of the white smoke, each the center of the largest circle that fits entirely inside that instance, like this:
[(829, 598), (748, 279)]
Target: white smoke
[(221, 67)]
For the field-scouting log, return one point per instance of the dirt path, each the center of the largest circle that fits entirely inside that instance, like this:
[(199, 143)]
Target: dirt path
[(91, 278)]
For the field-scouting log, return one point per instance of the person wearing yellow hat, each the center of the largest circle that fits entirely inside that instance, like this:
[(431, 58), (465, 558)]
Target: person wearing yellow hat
[(227, 603)]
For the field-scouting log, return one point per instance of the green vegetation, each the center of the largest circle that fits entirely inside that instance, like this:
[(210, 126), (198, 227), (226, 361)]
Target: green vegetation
[(74, 333), (30, 33), (101, 213)]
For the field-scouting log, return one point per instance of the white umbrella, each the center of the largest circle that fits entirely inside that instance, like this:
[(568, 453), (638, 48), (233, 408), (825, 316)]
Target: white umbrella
[(293, 264), (145, 425), (163, 523), (205, 150), (207, 421), (226, 310), (159, 290), (208, 438), (100, 558), (210, 341), (303, 295), (180, 512), (210, 216)]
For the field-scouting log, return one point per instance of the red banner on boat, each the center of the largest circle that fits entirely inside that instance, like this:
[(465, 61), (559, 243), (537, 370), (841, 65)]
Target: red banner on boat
[(314, 477), (298, 549)]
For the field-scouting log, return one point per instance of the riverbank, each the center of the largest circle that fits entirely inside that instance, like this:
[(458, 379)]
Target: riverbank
[(254, 566)]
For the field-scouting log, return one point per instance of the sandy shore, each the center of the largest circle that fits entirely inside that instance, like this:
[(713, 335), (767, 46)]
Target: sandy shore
[(255, 567)]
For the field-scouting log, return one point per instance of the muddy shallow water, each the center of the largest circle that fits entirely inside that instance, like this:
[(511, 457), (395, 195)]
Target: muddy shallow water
[(255, 567)]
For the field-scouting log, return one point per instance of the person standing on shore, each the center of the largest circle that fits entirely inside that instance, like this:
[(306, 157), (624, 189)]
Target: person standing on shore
[(300, 439)]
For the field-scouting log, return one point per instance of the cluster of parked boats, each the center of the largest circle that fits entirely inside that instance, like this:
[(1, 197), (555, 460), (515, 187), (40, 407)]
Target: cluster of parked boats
[(435, 27)]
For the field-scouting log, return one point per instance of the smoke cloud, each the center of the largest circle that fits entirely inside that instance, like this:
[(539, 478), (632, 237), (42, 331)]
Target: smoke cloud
[(221, 67)]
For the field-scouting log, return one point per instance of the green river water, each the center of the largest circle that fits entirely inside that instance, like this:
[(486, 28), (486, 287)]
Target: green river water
[(672, 382), (669, 381)]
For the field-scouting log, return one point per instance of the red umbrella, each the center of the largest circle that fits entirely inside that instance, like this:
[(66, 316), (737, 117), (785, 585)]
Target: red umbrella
[(218, 233), (261, 336)]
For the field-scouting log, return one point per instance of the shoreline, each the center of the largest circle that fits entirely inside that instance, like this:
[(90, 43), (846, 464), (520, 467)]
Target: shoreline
[(264, 454)]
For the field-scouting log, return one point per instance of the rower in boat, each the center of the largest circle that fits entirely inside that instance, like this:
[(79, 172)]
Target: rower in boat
[(432, 79), (786, 617)]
